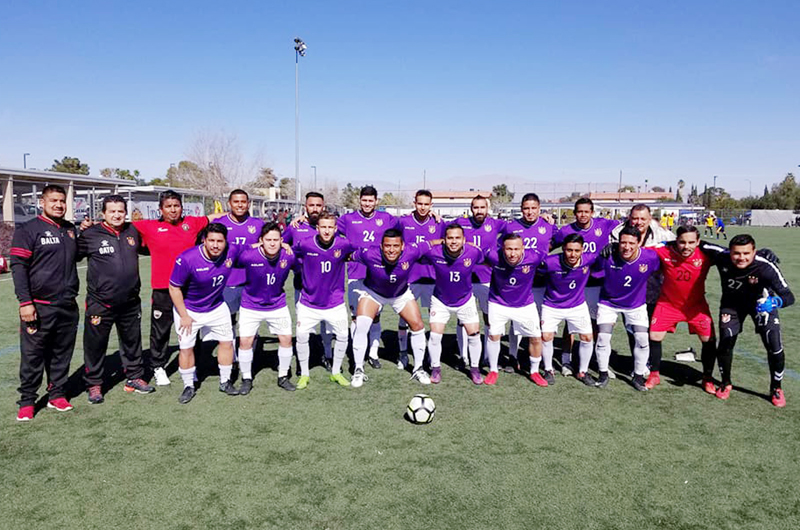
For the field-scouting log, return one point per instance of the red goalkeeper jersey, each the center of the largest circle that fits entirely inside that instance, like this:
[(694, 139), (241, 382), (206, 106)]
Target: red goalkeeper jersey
[(166, 241), (684, 278)]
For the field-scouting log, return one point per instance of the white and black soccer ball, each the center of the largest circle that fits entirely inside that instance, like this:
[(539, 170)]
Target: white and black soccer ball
[(421, 409)]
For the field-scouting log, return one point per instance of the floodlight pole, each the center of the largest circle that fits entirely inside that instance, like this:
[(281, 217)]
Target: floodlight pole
[(299, 50), (315, 177), (25, 160)]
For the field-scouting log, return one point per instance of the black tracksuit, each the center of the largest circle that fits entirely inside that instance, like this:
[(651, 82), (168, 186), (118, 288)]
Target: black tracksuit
[(43, 255), (112, 297)]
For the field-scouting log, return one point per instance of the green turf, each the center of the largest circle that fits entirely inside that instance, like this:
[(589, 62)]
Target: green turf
[(513, 456)]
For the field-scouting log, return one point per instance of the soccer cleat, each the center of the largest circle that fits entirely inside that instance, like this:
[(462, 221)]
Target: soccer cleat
[(639, 383), (187, 395), (436, 374), (724, 392), (602, 382), (139, 386), (537, 378), (421, 376), (708, 386), (60, 404), (778, 399), (549, 376), (375, 363), (511, 367), (340, 379), (228, 388), (566, 370), (161, 377), (475, 375), (491, 379), (247, 386), (95, 395), (358, 378), (25, 413), (302, 382), (402, 361), (326, 363), (587, 379), (653, 380), (283, 382), (611, 375)]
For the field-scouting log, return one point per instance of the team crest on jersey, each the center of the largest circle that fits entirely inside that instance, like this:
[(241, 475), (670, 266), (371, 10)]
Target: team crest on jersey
[(131, 241), (488, 228), (157, 314), (697, 263), (283, 264), (653, 322), (48, 233), (586, 270), (726, 317), (379, 222), (598, 232), (185, 227), (251, 229), (526, 269), (337, 253), (643, 267), (31, 330), (404, 265), (432, 229), (229, 263), (542, 230), (468, 262), (95, 320)]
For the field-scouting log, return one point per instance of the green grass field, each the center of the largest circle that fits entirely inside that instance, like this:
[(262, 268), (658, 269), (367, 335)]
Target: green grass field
[(512, 456)]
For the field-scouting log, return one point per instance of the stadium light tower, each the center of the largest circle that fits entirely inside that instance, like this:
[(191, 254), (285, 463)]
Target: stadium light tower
[(315, 177), (25, 160), (299, 51)]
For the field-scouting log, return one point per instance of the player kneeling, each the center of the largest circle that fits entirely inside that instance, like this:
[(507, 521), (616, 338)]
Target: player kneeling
[(264, 300), (567, 275), (196, 287)]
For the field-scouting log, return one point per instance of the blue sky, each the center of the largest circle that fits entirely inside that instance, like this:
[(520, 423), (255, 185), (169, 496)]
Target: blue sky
[(527, 93)]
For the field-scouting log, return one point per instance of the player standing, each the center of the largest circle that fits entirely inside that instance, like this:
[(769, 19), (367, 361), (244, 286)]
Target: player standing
[(721, 228), (624, 292), (112, 298), (417, 227), (511, 300), (43, 252)]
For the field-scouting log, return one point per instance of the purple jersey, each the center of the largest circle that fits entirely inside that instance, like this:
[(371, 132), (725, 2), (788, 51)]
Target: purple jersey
[(363, 232), (240, 236), (625, 284), (387, 280), (415, 232), (201, 279), (511, 285), (564, 285), (483, 236), (595, 237), (292, 235), (536, 236), (265, 278), (453, 285), (323, 271)]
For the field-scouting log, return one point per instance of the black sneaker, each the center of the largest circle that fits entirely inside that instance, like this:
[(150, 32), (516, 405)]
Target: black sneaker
[(228, 388), (187, 395), (375, 363), (139, 386), (603, 381), (327, 364), (95, 395), (549, 376), (638, 383), (285, 384), (247, 386), (587, 379)]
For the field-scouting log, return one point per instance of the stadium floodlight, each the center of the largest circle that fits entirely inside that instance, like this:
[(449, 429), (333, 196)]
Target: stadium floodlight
[(299, 51), (300, 47)]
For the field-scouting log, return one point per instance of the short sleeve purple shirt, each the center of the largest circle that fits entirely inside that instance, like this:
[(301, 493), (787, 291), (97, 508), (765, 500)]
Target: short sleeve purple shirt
[(202, 280), (453, 282), (483, 236), (363, 232), (322, 271), (263, 290), (240, 236), (511, 285), (625, 284), (387, 280), (564, 285), (595, 237), (415, 232)]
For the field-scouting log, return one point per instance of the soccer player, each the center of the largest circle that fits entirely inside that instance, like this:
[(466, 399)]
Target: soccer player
[(481, 231), (751, 286), (567, 275), (721, 228), (322, 263), (709, 229), (243, 231), (364, 228), (266, 269), (196, 286), (596, 233), (417, 227), (43, 252), (682, 299), (300, 230), (454, 264), (112, 298), (388, 269), (511, 300), (624, 291)]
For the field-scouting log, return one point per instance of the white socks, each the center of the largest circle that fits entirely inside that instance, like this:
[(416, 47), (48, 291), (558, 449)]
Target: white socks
[(360, 338), (434, 350), (187, 376), (474, 342), (603, 351), (493, 352), (418, 346), (585, 354), (246, 363), (303, 353), (547, 355), (284, 360)]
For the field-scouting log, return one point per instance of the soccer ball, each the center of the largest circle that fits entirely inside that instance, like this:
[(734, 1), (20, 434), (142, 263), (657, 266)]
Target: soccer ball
[(421, 409)]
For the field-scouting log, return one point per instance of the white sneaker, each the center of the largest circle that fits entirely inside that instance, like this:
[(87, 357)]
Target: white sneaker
[(566, 370), (611, 374), (421, 376), (161, 377), (358, 379)]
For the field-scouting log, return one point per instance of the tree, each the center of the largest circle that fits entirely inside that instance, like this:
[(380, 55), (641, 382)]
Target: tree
[(657, 189), (115, 172), (186, 175), (390, 199), (625, 189), (331, 192), (220, 163), (350, 196), (266, 179), (501, 196), (159, 182), (288, 189), (678, 196), (70, 165)]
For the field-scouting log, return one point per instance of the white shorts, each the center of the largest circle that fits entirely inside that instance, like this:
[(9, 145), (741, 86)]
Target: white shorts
[(592, 295), (578, 320), (354, 287), (278, 320), (214, 325), (481, 292), (422, 292), (466, 313), (336, 317), (525, 320), (633, 317), (398, 303)]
